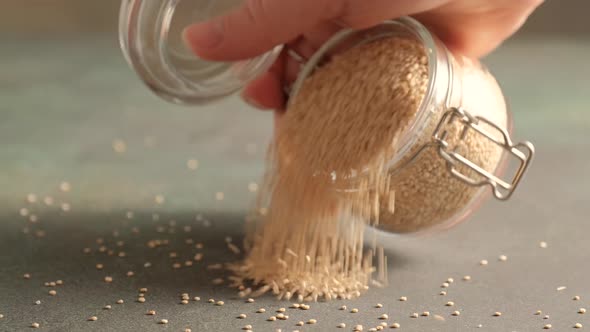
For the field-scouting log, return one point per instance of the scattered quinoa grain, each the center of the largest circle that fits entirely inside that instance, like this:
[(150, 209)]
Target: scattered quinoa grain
[(547, 326), (403, 298), (560, 288), (442, 293), (151, 312), (450, 304), (163, 321), (219, 303), (107, 307), (354, 310), (196, 298), (130, 273), (358, 328), (384, 316), (37, 302), (242, 316), (312, 321), (53, 292), (211, 300), (343, 307), (26, 276), (546, 317), (93, 318), (414, 315), (141, 299), (35, 325), (483, 262), (120, 301), (502, 258), (456, 313), (467, 278), (300, 323), (281, 310), (582, 311), (379, 305), (576, 298), (304, 307), (543, 244), (247, 327), (143, 290), (538, 312), (184, 302), (250, 300), (395, 326), (272, 318), (578, 326), (108, 279), (497, 314), (261, 310), (445, 285), (426, 313), (59, 282)]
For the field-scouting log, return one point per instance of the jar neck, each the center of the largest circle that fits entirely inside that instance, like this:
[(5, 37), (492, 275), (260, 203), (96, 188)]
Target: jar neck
[(439, 94)]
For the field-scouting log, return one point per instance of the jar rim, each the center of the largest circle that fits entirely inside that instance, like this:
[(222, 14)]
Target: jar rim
[(421, 34)]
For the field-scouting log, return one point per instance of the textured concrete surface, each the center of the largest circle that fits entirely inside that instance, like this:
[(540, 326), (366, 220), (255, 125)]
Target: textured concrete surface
[(63, 104)]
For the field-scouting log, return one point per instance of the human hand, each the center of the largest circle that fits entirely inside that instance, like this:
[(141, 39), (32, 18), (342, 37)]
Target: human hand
[(469, 27)]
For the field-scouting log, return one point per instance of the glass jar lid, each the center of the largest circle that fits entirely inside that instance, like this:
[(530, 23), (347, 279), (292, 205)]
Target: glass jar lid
[(150, 33)]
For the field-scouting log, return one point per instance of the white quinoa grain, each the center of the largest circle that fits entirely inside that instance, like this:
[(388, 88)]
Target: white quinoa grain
[(426, 313), (247, 327), (35, 325), (372, 329), (414, 315), (341, 325), (159, 199), (502, 258), (467, 278), (120, 301), (272, 318), (192, 164), (576, 298), (343, 307), (354, 310), (403, 298), (211, 300), (483, 262), (163, 321), (108, 279), (23, 212), (184, 302), (497, 314), (578, 326), (456, 313), (300, 323), (281, 310), (31, 198), (53, 292), (358, 328), (538, 312), (547, 326), (543, 244), (219, 196), (59, 282), (546, 317), (38, 302), (107, 307), (141, 299), (450, 304), (219, 303), (196, 298), (378, 305), (304, 307), (261, 310), (187, 330), (151, 313), (250, 300), (143, 290), (445, 285), (560, 288), (242, 316), (442, 293), (26, 276), (312, 321), (93, 318), (582, 311), (384, 316), (130, 273), (450, 280), (395, 326)]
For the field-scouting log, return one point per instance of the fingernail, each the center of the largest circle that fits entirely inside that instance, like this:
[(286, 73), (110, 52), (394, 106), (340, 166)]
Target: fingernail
[(203, 35), (254, 103)]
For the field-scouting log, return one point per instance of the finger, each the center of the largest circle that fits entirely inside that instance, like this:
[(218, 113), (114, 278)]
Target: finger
[(257, 26), (266, 92)]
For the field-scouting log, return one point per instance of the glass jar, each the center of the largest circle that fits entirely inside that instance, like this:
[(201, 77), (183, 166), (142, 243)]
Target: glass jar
[(457, 145)]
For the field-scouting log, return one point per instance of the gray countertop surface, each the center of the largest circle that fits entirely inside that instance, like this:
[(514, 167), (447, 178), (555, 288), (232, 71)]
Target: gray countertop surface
[(63, 103)]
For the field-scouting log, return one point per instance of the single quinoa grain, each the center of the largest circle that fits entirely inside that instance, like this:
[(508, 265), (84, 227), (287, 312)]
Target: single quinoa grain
[(35, 325), (578, 326), (93, 318), (163, 321), (395, 326)]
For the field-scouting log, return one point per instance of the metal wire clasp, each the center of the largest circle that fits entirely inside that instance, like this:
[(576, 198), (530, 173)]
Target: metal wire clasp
[(523, 151)]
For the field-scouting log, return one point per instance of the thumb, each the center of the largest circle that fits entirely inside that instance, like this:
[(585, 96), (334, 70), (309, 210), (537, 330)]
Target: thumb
[(257, 26)]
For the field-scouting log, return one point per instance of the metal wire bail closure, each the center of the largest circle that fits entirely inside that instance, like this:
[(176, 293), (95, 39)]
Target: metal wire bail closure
[(523, 151)]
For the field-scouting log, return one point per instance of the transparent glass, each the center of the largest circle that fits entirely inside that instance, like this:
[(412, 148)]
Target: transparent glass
[(427, 196), (150, 33)]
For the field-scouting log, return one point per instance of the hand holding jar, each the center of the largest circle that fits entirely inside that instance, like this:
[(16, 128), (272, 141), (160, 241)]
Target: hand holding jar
[(469, 27)]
